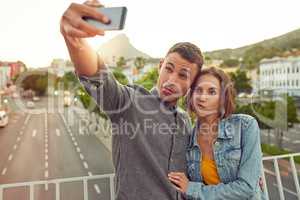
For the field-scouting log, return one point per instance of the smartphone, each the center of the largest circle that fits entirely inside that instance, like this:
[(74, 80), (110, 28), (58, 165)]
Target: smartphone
[(116, 15)]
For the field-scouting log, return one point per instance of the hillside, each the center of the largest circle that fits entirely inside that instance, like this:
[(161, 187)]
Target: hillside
[(119, 46), (284, 42)]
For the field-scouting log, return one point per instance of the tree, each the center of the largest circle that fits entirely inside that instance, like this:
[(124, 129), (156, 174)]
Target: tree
[(277, 115), (121, 78), (149, 79), (121, 62), (253, 55), (241, 81), (139, 62), (37, 82), (230, 63)]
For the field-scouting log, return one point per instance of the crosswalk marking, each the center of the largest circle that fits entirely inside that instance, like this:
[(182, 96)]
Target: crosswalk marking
[(4, 171), (81, 156), (85, 165), (10, 157)]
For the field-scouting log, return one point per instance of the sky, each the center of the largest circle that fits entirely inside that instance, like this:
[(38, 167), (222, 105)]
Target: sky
[(29, 29)]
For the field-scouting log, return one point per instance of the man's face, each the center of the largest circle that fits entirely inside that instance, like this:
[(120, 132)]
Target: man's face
[(175, 77)]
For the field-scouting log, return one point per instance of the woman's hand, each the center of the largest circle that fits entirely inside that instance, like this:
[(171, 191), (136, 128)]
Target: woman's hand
[(180, 181)]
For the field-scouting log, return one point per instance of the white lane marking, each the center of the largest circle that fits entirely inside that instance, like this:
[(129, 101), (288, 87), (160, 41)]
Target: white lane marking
[(18, 139), (15, 146), (46, 164), (21, 132), (296, 142), (34, 133), (57, 132), (78, 149), (4, 171), (286, 190), (85, 165), (81, 156), (46, 157), (97, 189), (46, 174), (46, 150), (10, 157), (75, 143), (90, 174), (73, 139), (46, 145)]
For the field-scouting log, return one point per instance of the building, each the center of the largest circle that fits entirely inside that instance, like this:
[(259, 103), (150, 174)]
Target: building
[(60, 67), (5, 72), (280, 75), (9, 70)]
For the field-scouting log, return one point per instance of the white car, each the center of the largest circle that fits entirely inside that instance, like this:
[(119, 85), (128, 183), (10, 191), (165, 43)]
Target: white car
[(67, 101), (3, 118), (30, 104), (35, 98)]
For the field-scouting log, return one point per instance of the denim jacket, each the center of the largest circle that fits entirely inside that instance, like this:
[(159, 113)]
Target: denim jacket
[(238, 159)]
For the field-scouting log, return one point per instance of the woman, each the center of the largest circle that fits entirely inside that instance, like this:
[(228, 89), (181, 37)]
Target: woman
[(224, 155)]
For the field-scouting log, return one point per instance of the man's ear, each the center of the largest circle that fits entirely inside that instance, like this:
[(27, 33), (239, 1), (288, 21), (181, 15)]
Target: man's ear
[(161, 63)]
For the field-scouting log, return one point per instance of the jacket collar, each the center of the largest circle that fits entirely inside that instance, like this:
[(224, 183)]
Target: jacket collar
[(225, 131)]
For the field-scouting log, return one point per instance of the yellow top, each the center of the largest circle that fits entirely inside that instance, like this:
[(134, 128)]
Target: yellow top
[(209, 171)]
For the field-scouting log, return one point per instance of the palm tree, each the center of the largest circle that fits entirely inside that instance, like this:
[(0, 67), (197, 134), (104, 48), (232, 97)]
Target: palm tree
[(139, 62)]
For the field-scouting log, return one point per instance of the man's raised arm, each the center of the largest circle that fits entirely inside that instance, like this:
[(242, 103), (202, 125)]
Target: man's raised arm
[(74, 30)]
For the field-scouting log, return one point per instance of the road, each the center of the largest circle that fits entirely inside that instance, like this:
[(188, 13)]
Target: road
[(42, 146), (48, 145), (290, 141)]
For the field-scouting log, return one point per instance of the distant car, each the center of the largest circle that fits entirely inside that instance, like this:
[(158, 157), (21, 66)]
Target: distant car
[(30, 104), (35, 98), (3, 118), (67, 101), (15, 95)]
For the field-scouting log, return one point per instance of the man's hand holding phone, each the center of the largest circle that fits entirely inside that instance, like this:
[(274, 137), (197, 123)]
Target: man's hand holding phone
[(91, 19)]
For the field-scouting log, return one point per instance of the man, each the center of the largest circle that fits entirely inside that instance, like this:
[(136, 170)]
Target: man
[(149, 132)]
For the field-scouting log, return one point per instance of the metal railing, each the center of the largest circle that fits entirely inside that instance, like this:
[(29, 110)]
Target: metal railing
[(57, 183), (275, 159), (85, 180)]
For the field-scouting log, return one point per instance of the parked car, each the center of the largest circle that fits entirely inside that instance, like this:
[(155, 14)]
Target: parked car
[(30, 104), (3, 118), (35, 98)]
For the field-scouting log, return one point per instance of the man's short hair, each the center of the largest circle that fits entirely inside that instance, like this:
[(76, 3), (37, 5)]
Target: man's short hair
[(189, 52)]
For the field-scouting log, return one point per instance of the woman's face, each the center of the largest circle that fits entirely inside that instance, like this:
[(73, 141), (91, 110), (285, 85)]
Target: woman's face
[(206, 96)]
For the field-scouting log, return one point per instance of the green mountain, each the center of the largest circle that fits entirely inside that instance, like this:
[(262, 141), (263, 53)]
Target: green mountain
[(282, 43)]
